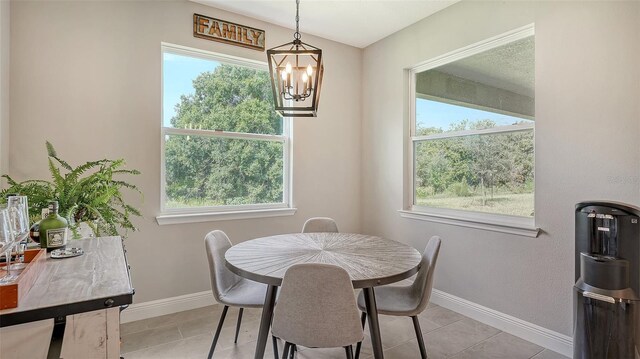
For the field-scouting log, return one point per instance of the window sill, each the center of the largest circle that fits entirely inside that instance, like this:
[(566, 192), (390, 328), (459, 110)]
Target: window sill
[(519, 226), (179, 218)]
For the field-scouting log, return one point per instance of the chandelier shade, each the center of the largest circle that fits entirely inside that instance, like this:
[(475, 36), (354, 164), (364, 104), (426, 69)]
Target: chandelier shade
[(296, 76)]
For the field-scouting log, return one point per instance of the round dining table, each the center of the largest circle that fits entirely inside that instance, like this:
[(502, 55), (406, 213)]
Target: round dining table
[(370, 261)]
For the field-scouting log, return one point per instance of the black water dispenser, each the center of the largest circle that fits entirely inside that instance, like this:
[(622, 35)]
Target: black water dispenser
[(607, 268)]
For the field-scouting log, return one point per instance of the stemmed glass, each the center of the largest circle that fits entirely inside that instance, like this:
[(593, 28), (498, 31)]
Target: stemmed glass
[(7, 242), (19, 216)]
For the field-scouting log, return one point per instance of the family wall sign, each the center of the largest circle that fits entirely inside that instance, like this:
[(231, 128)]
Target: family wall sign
[(209, 28)]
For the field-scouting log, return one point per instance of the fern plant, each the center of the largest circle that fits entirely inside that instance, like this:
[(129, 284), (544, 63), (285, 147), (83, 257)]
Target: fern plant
[(91, 193)]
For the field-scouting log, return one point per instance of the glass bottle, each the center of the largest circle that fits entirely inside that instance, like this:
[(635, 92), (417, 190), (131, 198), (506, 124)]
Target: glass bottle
[(34, 232), (53, 229)]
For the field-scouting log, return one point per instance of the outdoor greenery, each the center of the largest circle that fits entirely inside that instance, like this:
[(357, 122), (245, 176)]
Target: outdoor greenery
[(212, 171), (91, 193), (487, 173), (490, 173)]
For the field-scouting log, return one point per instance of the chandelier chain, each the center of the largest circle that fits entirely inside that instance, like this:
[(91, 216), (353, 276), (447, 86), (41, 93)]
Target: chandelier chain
[(296, 35)]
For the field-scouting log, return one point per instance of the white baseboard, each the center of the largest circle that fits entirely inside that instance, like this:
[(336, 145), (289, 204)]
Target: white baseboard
[(536, 334), (156, 308)]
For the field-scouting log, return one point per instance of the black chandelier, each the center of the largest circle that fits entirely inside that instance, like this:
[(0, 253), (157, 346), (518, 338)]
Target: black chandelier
[(296, 76)]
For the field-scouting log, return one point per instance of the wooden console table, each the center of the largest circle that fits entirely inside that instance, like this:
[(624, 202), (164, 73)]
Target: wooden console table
[(88, 290)]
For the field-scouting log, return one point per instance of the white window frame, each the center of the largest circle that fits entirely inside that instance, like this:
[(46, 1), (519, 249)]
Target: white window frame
[(226, 212), (523, 226)]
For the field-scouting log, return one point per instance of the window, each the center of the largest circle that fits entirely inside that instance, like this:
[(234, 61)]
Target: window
[(472, 133), (224, 147)]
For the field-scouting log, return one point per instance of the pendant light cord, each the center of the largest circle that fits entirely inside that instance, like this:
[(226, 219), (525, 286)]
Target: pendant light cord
[(296, 35)]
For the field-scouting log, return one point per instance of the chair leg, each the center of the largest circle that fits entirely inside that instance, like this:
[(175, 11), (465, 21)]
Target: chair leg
[(363, 319), (275, 347), (416, 326), (217, 335), (285, 351), (349, 350), (235, 341)]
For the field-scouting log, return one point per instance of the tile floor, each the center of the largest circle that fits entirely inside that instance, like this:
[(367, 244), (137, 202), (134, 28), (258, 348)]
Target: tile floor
[(447, 334)]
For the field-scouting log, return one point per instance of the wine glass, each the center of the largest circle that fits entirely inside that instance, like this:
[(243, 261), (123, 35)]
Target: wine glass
[(18, 207), (7, 241), (19, 216)]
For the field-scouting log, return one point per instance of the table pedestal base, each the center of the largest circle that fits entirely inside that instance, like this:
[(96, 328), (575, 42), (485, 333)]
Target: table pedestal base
[(374, 325), (265, 322)]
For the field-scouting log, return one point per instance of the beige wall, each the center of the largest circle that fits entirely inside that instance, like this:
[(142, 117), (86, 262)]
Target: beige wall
[(86, 76), (5, 41), (587, 135)]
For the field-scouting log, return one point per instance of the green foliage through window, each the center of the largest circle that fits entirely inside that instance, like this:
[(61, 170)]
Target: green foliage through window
[(242, 165), (488, 172)]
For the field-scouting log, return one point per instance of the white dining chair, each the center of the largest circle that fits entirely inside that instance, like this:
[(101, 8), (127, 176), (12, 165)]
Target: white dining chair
[(228, 288), (320, 224), (317, 309), (407, 301)]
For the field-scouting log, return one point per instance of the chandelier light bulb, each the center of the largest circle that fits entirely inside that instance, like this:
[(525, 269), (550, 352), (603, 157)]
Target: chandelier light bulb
[(309, 70), (288, 68), (305, 77), (283, 74)]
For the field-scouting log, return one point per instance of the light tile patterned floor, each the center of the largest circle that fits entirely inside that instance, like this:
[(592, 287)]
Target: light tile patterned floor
[(447, 334)]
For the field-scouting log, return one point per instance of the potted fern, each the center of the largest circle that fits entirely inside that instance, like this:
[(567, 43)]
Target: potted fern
[(90, 193)]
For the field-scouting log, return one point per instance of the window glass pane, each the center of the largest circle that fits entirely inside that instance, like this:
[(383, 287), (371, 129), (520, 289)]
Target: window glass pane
[(205, 94), (484, 173), (436, 117), (210, 171), (475, 116)]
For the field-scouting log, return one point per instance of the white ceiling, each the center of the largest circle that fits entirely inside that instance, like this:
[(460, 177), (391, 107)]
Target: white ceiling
[(353, 22), (509, 67)]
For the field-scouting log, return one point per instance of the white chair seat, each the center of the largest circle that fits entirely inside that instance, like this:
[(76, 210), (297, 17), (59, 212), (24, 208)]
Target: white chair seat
[(316, 309), (244, 293), (393, 300), (228, 288), (320, 224), (408, 300)]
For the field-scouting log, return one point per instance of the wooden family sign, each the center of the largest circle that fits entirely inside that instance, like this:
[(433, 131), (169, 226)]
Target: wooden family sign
[(209, 28)]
